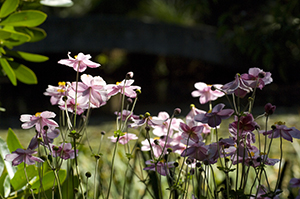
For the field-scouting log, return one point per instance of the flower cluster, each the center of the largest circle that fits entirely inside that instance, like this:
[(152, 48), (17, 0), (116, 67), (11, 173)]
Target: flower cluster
[(169, 143)]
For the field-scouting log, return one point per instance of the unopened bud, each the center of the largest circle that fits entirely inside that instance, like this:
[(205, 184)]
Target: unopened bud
[(88, 174), (269, 109), (169, 150), (177, 111), (102, 132), (138, 91), (213, 88), (65, 98), (176, 164), (156, 142), (129, 101), (129, 75)]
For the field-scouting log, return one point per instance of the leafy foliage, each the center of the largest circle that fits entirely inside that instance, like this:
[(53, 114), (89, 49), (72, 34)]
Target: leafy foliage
[(18, 21)]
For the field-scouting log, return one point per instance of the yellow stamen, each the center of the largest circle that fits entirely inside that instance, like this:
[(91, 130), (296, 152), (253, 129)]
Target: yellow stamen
[(209, 111), (75, 56), (61, 83), (156, 138), (38, 114), (60, 90), (280, 123), (252, 154), (117, 83)]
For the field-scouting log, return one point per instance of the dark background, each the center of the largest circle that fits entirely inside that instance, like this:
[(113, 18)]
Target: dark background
[(169, 45)]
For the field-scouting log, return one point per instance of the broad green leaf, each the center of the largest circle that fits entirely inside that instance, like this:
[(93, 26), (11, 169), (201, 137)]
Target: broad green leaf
[(49, 179), (12, 141), (19, 180), (4, 34), (3, 152), (68, 187), (27, 56), (5, 188), (9, 71), (8, 7), (23, 73), (35, 33), (28, 18), (2, 165)]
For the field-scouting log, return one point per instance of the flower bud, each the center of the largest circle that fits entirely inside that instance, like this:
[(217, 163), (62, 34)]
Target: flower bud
[(176, 164), (129, 75), (65, 98), (102, 132), (88, 174), (269, 109), (177, 111), (169, 150), (138, 91), (213, 88), (156, 142), (129, 101)]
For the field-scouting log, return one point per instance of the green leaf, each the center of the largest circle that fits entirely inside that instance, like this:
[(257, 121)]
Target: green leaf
[(48, 180), (4, 34), (19, 180), (28, 18), (35, 33), (3, 152), (23, 73), (12, 141), (5, 188), (27, 56), (2, 165), (8, 7), (9, 71)]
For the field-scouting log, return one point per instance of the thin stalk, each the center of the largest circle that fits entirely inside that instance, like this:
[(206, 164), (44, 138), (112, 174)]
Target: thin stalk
[(112, 168), (28, 181), (279, 171)]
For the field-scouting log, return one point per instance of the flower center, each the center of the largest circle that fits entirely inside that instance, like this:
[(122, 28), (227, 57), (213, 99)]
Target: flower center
[(117, 83), (61, 83), (38, 114)]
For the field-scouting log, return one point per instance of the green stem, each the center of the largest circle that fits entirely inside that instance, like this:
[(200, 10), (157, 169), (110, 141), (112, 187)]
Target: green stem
[(112, 167)]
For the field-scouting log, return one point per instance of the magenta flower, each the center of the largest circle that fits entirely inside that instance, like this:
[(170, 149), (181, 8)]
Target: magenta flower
[(238, 87), (193, 133), (280, 130), (214, 117), (245, 123), (64, 151), (124, 139), (91, 89), (39, 120), (295, 182), (269, 109), (57, 92), (205, 92), (161, 167), (257, 78), (47, 137), (21, 155), (80, 63), (196, 151), (123, 87)]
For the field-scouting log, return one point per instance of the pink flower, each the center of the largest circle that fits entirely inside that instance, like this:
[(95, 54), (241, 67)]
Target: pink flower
[(39, 120), (80, 107), (64, 151), (161, 167), (162, 128), (269, 109), (125, 114), (124, 139), (193, 133), (57, 92), (21, 155), (190, 121), (238, 87), (80, 63), (123, 87), (205, 92), (245, 123), (157, 145), (214, 117), (91, 89), (257, 78), (280, 130)]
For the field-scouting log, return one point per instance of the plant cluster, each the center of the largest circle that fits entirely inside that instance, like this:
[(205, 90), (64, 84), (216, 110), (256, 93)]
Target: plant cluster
[(179, 157)]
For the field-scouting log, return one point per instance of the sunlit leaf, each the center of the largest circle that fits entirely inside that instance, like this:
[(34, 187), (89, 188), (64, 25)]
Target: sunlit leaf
[(4, 34), (28, 18), (12, 141), (5, 185), (23, 73), (35, 33), (3, 152), (8, 7), (27, 56), (19, 180), (2, 165), (9, 71), (49, 179)]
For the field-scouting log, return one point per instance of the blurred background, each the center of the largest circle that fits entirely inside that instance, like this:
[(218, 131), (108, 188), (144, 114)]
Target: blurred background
[(169, 45)]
